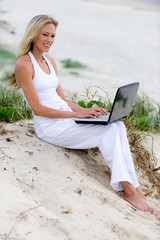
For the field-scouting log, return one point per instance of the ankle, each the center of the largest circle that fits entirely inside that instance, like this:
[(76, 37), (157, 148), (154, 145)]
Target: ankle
[(128, 188)]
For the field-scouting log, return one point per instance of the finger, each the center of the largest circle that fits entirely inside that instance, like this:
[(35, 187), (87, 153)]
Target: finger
[(104, 111), (97, 114), (93, 116), (94, 113), (96, 109)]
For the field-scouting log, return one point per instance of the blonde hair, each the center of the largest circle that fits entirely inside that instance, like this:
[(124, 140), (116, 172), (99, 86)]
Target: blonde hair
[(33, 29)]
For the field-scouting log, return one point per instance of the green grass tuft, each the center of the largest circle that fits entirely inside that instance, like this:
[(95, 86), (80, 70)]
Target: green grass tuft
[(5, 77), (12, 106), (68, 63), (6, 57), (74, 73), (2, 11), (145, 115)]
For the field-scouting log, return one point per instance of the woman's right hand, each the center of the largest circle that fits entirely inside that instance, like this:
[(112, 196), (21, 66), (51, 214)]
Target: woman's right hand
[(91, 112)]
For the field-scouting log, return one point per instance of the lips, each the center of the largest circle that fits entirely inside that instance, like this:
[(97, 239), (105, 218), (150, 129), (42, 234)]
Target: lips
[(47, 45)]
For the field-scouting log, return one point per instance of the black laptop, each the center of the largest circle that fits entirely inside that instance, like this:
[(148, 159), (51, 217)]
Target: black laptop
[(121, 108)]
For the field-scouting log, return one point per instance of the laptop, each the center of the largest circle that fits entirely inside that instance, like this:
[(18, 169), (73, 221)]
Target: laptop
[(121, 108)]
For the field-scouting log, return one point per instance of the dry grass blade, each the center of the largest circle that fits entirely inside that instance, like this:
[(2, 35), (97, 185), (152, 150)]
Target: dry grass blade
[(145, 160), (2, 130), (88, 92)]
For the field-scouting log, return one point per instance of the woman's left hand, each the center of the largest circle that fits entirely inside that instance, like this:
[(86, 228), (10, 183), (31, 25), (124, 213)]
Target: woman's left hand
[(103, 111)]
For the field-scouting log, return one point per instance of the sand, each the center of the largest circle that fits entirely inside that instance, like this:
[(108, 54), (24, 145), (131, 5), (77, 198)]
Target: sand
[(51, 193)]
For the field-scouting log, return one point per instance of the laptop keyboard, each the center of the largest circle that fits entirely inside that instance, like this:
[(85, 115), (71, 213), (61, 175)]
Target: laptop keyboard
[(100, 118), (104, 117)]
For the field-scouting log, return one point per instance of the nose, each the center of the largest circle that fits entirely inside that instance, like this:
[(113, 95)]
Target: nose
[(50, 40)]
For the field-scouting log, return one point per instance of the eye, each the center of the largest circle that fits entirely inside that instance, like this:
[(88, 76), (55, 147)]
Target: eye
[(44, 34), (53, 36)]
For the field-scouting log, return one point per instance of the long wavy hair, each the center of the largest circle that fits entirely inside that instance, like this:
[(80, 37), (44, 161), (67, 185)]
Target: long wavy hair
[(32, 31)]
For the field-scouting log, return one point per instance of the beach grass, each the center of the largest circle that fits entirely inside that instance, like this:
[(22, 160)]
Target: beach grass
[(74, 73), (12, 105), (6, 57), (68, 63), (5, 77), (2, 11), (145, 115)]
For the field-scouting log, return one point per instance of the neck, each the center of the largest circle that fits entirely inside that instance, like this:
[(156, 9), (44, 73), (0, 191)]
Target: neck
[(38, 55)]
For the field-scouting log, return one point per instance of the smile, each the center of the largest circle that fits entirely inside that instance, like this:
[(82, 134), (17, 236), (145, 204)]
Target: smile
[(46, 45)]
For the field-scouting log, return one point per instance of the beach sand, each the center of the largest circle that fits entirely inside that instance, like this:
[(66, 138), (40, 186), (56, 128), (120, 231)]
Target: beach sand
[(51, 193)]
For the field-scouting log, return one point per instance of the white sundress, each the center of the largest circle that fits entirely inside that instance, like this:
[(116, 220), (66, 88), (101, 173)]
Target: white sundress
[(111, 139)]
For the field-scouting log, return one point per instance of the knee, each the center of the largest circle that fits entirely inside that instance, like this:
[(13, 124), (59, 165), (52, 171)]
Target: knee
[(114, 126), (121, 125)]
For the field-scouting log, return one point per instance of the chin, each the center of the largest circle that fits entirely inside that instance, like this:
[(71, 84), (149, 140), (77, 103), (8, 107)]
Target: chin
[(46, 50)]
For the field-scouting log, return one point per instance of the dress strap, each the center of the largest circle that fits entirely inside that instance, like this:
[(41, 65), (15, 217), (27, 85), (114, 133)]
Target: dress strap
[(49, 64), (35, 64), (32, 57)]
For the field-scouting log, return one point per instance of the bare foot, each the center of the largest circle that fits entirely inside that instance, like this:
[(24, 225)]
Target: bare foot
[(132, 196), (139, 191)]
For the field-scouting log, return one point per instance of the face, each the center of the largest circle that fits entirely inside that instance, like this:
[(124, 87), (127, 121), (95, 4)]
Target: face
[(45, 38)]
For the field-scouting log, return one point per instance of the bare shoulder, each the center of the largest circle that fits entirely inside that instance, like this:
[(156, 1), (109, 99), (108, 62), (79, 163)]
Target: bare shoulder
[(23, 63), (24, 72), (53, 63)]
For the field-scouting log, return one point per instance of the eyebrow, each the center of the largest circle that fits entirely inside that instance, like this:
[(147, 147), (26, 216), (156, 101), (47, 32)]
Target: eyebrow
[(49, 33)]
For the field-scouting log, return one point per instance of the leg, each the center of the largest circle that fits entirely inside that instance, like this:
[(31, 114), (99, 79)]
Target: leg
[(122, 168), (126, 150), (116, 152)]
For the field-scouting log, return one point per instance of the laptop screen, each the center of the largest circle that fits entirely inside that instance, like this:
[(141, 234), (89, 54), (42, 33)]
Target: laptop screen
[(124, 101)]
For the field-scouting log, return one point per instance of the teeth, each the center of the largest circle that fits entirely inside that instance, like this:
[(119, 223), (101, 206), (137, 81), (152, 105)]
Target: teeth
[(46, 45)]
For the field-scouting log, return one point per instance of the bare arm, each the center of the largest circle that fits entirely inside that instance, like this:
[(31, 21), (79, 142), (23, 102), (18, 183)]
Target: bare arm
[(24, 74)]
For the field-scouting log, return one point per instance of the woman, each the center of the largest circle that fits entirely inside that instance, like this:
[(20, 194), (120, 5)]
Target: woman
[(36, 77)]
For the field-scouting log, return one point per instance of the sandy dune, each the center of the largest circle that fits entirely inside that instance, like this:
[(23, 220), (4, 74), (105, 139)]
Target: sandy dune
[(51, 193)]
